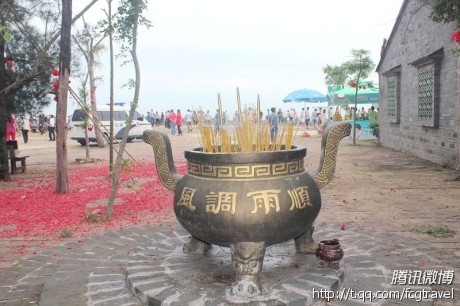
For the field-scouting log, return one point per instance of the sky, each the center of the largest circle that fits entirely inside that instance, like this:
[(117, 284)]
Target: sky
[(197, 49)]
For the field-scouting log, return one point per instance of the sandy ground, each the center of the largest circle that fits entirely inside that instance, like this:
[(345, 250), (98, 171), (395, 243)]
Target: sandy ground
[(375, 188)]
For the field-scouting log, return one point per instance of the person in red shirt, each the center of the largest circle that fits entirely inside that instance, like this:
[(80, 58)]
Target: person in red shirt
[(11, 128), (172, 121), (179, 122)]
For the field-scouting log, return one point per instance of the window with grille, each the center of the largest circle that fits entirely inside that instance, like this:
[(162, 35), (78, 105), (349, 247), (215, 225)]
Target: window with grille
[(393, 78), (425, 92), (428, 70), (391, 98)]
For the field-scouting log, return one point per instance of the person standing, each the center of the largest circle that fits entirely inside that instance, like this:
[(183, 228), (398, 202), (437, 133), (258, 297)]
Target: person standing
[(25, 128), (11, 128), (172, 122), (195, 117), (315, 118), (149, 118), (188, 120), (167, 120), (207, 118), (307, 117), (157, 119), (372, 115), (322, 122), (52, 128), (41, 123), (218, 121), (273, 120), (280, 115), (179, 122), (302, 117)]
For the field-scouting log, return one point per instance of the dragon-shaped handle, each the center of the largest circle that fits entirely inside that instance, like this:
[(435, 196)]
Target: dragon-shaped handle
[(163, 158), (329, 147)]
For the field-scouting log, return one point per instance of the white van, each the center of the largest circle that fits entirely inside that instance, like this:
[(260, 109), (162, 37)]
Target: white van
[(120, 115)]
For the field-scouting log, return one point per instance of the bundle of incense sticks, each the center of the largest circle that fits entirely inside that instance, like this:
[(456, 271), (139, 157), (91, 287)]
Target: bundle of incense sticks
[(250, 135)]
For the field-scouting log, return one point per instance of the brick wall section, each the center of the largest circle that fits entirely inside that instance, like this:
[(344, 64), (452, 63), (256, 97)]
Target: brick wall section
[(416, 36)]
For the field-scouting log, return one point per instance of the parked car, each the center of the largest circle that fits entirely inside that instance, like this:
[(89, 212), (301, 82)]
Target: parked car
[(120, 114), (34, 127)]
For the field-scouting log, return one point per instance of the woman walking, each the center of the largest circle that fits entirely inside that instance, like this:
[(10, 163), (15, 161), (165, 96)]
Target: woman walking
[(172, 122), (179, 122), (11, 128), (25, 128)]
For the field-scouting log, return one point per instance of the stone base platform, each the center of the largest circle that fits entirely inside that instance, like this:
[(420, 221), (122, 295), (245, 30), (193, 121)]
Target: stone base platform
[(146, 265), (162, 274)]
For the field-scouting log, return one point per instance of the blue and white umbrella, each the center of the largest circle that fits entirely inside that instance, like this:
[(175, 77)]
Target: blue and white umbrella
[(305, 95)]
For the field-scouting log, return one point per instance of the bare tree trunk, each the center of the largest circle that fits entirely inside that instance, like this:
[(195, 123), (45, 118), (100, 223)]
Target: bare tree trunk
[(101, 142), (355, 108), (86, 140), (109, 2), (5, 169), (62, 176), (117, 167)]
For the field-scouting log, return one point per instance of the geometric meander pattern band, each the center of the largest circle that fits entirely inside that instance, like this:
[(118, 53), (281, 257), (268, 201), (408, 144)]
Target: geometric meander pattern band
[(246, 171)]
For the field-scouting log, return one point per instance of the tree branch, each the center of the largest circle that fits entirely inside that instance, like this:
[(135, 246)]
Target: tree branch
[(41, 56)]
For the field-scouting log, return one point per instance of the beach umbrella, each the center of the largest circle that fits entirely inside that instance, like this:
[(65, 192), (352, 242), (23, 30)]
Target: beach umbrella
[(305, 95), (367, 95)]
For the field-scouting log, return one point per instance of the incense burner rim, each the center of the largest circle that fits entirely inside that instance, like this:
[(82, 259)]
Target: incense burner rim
[(197, 155)]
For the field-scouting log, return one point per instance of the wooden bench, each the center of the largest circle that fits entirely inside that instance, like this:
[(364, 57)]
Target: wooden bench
[(14, 158)]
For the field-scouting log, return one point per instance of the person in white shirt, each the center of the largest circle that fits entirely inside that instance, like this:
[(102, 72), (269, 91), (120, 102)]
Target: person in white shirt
[(52, 128), (188, 120), (25, 128)]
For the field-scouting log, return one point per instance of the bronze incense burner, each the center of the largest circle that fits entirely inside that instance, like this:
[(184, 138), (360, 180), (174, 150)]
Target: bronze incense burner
[(247, 201)]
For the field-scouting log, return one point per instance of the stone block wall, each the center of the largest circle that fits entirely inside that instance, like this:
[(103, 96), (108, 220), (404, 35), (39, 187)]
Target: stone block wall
[(414, 37)]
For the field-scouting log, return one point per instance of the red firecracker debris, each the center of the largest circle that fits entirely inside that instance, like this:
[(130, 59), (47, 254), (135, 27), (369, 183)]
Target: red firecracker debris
[(34, 211)]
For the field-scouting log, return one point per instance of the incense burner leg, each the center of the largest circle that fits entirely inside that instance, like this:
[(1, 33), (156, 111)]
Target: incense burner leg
[(247, 261), (305, 243), (196, 245)]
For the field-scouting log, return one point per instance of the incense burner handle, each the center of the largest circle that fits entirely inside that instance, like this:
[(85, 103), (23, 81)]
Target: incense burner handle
[(329, 148), (163, 158)]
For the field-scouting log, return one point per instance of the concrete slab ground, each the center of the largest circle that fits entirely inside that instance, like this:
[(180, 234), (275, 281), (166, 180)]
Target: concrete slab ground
[(375, 204)]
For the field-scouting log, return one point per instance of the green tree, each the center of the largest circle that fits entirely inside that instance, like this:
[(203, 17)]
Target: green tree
[(335, 75), (445, 10), (358, 68), (128, 20), (30, 54), (34, 53)]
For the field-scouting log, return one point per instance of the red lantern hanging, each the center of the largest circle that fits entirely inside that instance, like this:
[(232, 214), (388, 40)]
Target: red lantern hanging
[(352, 84), (456, 36), (9, 64), (55, 72)]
